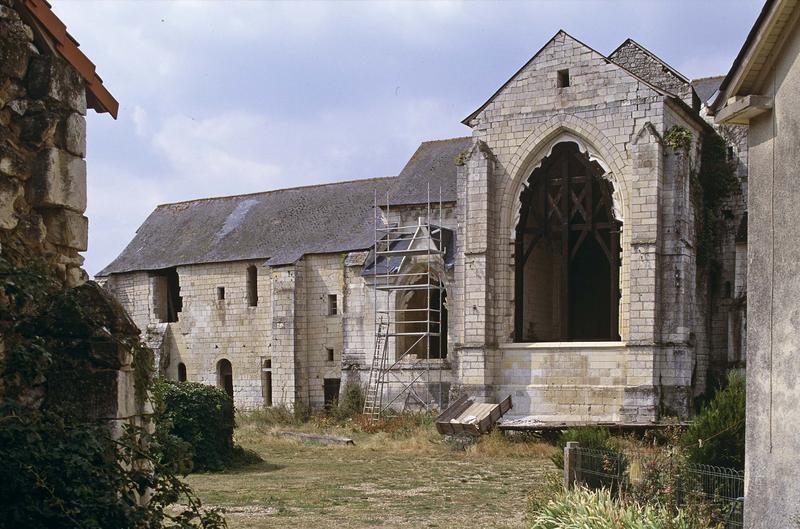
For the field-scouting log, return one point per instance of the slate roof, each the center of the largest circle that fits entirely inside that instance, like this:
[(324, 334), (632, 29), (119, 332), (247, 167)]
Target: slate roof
[(434, 163), (277, 226), (283, 225), (707, 87), (387, 265)]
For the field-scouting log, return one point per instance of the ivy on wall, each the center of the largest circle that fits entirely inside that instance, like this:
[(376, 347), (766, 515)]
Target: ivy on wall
[(712, 183), (60, 355)]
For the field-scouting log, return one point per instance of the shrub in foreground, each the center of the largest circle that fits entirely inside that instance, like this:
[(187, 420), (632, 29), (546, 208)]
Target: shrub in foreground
[(716, 436), (594, 437), (584, 509), (61, 467), (201, 416)]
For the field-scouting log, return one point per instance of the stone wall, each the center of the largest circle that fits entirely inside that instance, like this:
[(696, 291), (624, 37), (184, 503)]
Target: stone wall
[(290, 325), (42, 150), (42, 205), (773, 312), (319, 331), (572, 381), (208, 329), (639, 61)]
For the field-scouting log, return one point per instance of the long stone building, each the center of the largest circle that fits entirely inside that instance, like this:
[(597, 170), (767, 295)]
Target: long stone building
[(587, 258)]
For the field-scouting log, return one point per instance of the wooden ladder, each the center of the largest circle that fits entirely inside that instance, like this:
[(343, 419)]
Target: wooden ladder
[(374, 396)]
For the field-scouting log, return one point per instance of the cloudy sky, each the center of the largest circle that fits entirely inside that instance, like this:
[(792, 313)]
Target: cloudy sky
[(222, 98)]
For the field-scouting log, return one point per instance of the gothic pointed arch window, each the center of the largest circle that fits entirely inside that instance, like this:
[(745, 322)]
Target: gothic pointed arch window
[(567, 252)]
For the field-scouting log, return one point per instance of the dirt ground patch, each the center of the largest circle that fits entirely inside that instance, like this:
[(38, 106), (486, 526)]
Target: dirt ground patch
[(383, 481)]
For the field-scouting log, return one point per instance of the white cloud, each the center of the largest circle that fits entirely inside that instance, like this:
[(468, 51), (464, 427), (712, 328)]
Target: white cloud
[(219, 147), (139, 117)]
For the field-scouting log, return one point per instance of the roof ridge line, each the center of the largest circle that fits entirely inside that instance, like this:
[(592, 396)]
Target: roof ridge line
[(722, 76), (254, 193), (468, 136), (658, 90), (659, 59)]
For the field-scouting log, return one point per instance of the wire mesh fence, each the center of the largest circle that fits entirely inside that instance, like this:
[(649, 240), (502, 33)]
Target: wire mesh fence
[(723, 488), (601, 468), (720, 489)]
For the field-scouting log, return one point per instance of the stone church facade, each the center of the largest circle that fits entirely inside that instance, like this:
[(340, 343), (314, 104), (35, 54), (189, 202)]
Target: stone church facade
[(573, 274)]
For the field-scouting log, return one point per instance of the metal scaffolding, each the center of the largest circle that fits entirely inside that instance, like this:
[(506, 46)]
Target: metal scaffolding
[(408, 264)]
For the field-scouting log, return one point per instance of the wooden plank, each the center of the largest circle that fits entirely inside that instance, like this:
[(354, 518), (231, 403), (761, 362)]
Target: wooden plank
[(442, 422), (322, 439)]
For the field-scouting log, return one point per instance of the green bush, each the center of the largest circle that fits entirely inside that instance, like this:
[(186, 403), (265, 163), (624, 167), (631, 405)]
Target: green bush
[(716, 436), (352, 401), (200, 415), (584, 509), (593, 437)]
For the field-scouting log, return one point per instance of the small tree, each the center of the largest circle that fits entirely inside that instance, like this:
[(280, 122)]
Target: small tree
[(716, 437)]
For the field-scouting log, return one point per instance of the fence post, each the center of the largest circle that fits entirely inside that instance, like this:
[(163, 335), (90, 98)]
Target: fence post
[(570, 463)]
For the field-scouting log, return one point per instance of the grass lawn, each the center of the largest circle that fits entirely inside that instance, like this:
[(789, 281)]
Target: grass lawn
[(410, 479)]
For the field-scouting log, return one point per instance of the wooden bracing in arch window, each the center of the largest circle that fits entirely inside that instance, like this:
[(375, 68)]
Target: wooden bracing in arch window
[(568, 207)]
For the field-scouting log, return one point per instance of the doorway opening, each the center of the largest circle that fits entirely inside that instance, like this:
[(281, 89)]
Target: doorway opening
[(225, 376)]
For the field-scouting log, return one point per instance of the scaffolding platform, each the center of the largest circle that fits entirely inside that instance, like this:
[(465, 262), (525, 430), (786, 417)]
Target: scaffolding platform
[(465, 416), (407, 272)]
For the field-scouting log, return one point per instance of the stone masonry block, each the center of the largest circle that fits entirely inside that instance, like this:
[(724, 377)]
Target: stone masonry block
[(60, 181), (52, 77), (67, 228), (10, 190), (75, 134), (14, 48)]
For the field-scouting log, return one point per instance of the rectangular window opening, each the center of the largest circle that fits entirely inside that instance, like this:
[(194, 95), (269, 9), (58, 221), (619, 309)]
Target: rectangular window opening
[(220, 293), (333, 307), (329, 352), (252, 286), (266, 381), (167, 300), (563, 78)]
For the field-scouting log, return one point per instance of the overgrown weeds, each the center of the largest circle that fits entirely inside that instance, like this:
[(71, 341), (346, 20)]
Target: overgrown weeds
[(581, 508), (498, 444), (594, 437)]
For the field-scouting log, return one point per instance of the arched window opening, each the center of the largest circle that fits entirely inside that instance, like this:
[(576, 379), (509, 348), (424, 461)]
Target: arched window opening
[(181, 372), (422, 322), (567, 252), (252, 286), (225, 376)]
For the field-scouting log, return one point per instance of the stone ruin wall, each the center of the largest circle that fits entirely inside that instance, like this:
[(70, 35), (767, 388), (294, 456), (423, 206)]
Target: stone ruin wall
[(42, 150), (43, 200)]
